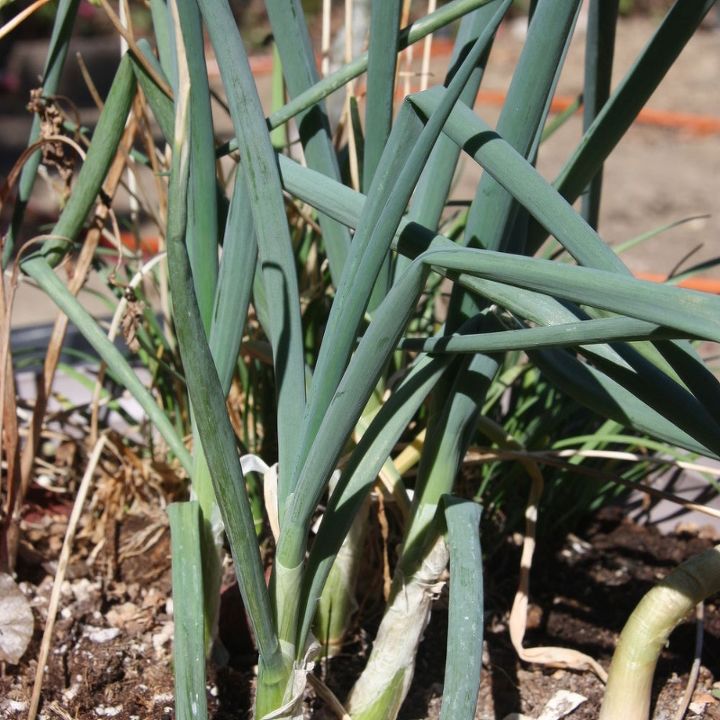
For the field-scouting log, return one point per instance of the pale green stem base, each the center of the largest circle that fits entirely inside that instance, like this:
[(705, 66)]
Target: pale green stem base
[(212, 541), (382, 687), (627, 696), (337, 602)]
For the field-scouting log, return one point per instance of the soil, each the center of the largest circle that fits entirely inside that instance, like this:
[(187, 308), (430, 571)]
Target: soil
[(582, 592), (111, 650)]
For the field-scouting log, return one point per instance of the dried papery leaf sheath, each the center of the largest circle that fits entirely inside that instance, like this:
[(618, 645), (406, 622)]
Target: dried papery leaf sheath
[(383, 686)]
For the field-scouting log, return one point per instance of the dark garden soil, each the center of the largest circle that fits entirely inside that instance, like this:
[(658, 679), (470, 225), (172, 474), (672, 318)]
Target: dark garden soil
[(111, 650)]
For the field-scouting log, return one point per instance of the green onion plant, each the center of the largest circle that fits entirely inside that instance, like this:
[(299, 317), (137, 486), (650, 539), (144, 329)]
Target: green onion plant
[(322, 303)]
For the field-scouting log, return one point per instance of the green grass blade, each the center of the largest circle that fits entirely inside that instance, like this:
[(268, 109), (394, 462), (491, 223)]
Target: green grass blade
[(187, 586), (160, 104), (595, 390), (382, 63), (643, 237), (359, 475), (103, 147), (564, 335), (388, 199), (298, 59), (693, 270), (207, 397), (691, 312), (235, 283), (523, 115), (599, 50), (39, 270), (450, 430), (434, 185), (421, 28), (465, 610), (520, 179), (610, 436), (165, 39), (202, 231), (57, 52), (556, 122), (274, 245), (618, 114)]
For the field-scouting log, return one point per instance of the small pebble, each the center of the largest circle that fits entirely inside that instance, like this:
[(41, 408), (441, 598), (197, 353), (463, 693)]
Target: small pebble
[(111, 711), (101, 635), (15, 706)]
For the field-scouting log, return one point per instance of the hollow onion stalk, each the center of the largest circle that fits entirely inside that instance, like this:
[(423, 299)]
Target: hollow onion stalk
[(628, 691)]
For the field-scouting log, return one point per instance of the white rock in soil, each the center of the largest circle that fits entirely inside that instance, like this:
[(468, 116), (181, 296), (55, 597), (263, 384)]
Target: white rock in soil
[(562, 703), (84, 590), (110, 711), (121, 615), (13, 706), (101, 635), (164, 636), (16, 621), (70, 693)]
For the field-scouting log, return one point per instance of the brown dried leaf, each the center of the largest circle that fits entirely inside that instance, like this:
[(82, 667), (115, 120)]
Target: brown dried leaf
[(55, 153), (132, 319)]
